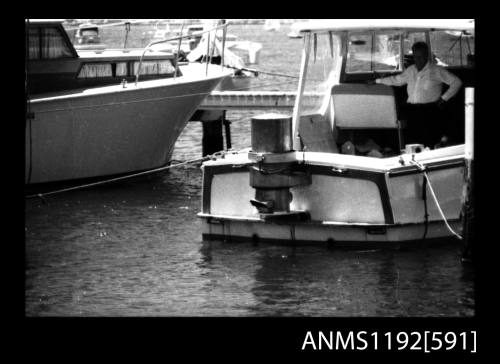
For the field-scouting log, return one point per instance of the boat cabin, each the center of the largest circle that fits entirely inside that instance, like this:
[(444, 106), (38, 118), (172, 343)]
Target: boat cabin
[(335, 102), (55, 65)]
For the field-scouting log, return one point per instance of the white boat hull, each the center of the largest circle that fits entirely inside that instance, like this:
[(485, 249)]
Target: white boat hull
[(335, 235), (111, 130), (350, 199), (235, 83)]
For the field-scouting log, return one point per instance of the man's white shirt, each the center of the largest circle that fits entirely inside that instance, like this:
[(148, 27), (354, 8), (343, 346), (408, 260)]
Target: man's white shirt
[(425, 86)]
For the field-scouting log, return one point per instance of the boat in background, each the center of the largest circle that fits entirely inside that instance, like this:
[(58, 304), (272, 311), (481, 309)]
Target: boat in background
[(161, 32), (294, 32), (193, 48), (272, 25), (109, 113), (240, 79), (87, 37), (338, 171), (248, 50)]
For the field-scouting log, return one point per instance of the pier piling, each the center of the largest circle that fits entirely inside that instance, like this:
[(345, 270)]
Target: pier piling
[(212, 122), (468, 192), (227, 129)]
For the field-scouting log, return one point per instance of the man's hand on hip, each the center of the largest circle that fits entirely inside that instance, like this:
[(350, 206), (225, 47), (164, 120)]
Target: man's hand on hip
[(441, 103)]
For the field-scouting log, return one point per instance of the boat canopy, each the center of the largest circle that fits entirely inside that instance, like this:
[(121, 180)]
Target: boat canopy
[(355, 50), (318, 26)]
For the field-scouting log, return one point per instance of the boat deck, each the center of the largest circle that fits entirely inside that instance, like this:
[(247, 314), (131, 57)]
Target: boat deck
[(390, 164)]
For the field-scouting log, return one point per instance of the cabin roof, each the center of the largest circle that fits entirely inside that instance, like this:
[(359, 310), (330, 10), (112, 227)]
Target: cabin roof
[(120, 54), (44, 21), (373, 24), (88, 26)]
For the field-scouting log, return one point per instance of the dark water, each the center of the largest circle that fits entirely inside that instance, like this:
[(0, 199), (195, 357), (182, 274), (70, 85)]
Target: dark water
[(135, 249)]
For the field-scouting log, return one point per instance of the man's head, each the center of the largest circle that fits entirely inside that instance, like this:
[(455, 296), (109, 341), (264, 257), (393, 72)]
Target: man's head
[(420, 54)]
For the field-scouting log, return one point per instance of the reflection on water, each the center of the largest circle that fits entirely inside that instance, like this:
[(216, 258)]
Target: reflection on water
[(316, 281)]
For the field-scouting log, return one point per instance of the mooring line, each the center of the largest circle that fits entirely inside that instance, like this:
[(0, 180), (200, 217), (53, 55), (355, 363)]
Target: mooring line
[(192, 161), (257, 72), (424, 171)]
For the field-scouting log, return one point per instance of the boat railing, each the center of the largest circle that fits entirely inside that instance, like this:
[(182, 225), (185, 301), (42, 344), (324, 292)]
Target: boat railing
[(179, 38)]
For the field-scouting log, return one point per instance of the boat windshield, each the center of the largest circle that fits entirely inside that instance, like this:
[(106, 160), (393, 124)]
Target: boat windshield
[(453, 48), (323, 71), (372, 52), (89, 32)]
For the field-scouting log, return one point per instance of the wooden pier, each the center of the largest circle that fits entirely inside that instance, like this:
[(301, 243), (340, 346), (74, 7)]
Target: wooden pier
[(224, 100), (212, 112)]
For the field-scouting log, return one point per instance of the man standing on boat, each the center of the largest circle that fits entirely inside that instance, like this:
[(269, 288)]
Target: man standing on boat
[(426, 121)]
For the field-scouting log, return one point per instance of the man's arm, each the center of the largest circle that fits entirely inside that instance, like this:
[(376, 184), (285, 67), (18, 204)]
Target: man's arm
[(451, 80), (398, 80)]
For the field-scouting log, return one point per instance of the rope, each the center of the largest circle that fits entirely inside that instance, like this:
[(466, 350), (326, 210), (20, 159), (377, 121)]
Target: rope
[(253, 70), (426, 213), (192, 161), (423, 169), (439, 208)]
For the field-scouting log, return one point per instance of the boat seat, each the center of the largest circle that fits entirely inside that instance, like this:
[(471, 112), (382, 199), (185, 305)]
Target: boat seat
[(316, 134), (363, 106)]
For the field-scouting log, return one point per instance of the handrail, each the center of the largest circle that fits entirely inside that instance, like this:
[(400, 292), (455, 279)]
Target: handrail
[(172, 39), (177, 54)]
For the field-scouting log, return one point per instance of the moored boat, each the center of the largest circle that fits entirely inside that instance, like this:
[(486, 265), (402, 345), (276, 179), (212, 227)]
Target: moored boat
[(338, 171), (272, 25), (93, 117), (236, 53), (87, 37), (294, 33)]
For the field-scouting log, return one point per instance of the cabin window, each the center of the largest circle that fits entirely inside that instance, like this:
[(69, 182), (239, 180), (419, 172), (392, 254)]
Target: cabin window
[(53, 44), (411, 38), (158, 67), (372, 52), (48, 43), (34, 43), (121, 69), (453, 48), (96, 70)]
